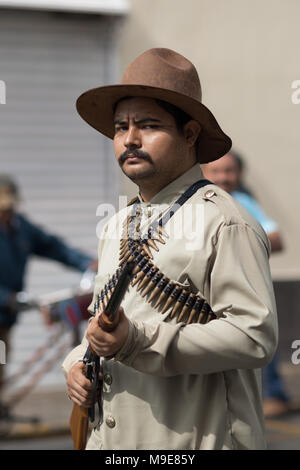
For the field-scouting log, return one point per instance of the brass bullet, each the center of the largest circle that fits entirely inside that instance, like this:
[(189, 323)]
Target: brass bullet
[(122, 259), (122, 245), (158, 289), (146, 248), (127, 220), (124, 248), (211, 316), (172, 298), (162, 231), (153, 282), (137, 278), (196, 308), (140, 265), (152, 244), (97, 302), (102, 304), (135, 250), (126, 256), (203, 313), (105, 296), (165, 293), (142, 273), (187, 305), (179, 303), (154, 235), (111, 286), (123, 255), (138, 258), (144, 278), (159, 238), (108, 292), (147, 277)]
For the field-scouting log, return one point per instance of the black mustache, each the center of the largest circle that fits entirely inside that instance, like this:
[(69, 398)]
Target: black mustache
[(134, 153)]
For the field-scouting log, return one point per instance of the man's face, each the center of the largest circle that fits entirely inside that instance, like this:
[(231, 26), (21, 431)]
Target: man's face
[(147, 143), (224, 173)]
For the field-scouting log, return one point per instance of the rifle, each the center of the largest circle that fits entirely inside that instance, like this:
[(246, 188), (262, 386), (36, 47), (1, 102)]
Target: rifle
[(108, 321)]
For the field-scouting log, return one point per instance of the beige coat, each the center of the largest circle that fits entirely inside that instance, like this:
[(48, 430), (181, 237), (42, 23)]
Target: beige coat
[(177, 386)]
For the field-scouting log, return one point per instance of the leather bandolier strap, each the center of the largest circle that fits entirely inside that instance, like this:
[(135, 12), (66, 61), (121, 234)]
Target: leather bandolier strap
[(152, 284)]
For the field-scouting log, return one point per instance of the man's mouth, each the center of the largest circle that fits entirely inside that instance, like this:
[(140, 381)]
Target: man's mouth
[(133, 158)]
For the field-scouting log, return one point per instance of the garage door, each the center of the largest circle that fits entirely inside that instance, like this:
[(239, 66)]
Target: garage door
[(64, 168)]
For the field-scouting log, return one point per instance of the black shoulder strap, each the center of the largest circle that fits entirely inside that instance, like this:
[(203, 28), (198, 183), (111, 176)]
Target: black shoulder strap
[(179, 202)]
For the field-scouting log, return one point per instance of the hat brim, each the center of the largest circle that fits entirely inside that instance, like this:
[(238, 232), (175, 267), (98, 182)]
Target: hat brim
[(96, 107)]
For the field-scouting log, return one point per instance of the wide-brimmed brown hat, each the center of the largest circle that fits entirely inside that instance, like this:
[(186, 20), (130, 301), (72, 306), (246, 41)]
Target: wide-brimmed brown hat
[(160, 74)]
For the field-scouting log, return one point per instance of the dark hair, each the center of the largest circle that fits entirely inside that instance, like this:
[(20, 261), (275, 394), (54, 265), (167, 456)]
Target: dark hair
[(181, 117), (238, 159), (241, 166), (7, 182)]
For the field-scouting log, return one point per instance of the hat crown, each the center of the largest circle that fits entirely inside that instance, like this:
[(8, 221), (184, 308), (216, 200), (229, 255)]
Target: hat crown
[(166, 69)]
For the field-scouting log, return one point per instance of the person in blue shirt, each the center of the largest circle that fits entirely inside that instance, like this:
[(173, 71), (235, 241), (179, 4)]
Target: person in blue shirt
[(20, 239), (227, 173)]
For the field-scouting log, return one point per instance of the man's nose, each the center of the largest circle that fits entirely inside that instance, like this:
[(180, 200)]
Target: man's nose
[(133, 138)]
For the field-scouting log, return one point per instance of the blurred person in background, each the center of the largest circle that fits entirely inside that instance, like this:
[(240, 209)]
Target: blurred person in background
[(227, 172), (19, 240)]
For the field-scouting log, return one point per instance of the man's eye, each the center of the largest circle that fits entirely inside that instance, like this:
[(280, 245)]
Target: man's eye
[(120, 128), (150, 126)]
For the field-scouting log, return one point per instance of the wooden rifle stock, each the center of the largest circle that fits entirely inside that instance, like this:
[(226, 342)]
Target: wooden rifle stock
[(79, 424), (108, 320)]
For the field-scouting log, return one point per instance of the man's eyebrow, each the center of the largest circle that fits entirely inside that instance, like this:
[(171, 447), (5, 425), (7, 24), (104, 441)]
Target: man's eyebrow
[(120, 121), (138, 121), (147, 119)]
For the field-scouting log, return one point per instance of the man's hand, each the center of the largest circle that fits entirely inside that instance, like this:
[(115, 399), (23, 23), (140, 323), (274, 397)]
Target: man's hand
[(104, 343), (78, 386)]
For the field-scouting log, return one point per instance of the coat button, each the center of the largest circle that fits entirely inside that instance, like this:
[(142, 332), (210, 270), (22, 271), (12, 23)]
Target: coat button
[(210, 193), (108, 379), (110, 421)]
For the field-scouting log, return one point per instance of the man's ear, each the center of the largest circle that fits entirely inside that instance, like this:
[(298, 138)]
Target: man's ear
[(191, 132)]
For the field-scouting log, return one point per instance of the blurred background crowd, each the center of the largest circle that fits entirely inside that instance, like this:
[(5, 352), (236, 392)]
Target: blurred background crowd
[(55, 170)]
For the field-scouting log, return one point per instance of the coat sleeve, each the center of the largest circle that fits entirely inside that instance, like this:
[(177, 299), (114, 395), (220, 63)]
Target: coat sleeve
[(5, 296), (243, 337), (74, 356), (52, 247)]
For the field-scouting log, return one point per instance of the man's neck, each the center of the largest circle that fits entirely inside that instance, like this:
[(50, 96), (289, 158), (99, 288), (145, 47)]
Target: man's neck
[(147, 193)]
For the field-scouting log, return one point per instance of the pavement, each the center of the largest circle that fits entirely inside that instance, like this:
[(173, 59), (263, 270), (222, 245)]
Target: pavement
[(41, 413), (53, 410)]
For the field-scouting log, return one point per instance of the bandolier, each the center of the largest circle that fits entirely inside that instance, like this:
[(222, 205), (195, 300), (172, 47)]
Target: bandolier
[(151, 282)]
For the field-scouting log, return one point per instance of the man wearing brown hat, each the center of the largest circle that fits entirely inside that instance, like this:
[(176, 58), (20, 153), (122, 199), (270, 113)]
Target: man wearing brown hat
[(182, 368)]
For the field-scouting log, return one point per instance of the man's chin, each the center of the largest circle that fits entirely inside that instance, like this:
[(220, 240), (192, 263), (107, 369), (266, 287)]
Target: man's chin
[(137, 173)]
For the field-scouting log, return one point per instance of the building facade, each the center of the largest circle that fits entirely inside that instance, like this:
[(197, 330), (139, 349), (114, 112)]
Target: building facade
[(49, 54)]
